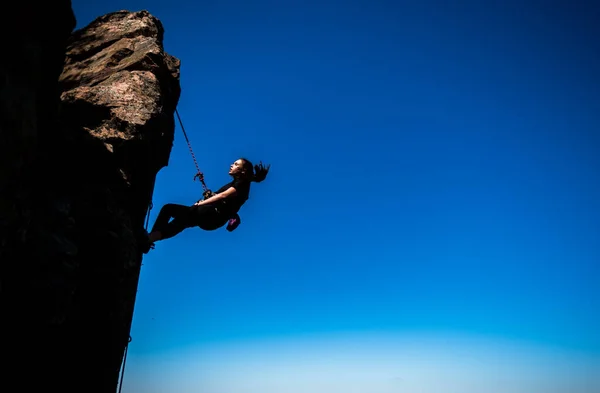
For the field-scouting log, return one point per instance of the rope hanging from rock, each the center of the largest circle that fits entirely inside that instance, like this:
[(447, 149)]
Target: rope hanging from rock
[(123, 365), (207, 193)]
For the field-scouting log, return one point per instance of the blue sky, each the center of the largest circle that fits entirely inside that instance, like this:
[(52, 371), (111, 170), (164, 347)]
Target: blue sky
[(431, 220)]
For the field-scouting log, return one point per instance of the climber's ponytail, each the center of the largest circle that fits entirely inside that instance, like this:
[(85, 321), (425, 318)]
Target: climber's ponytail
[(256, 173), (260, 172)]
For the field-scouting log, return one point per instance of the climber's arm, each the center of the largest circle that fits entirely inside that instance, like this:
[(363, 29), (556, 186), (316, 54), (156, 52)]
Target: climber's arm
[(217, 197)]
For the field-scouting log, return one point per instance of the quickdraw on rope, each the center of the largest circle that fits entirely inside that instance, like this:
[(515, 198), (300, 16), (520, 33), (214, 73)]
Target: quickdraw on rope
[(207, 193)]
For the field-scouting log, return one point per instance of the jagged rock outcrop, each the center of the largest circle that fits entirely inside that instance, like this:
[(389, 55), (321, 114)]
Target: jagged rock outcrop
[(120, 88), (87, 122)]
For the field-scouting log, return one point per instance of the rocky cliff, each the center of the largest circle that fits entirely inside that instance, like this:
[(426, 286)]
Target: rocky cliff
[(87, 122)]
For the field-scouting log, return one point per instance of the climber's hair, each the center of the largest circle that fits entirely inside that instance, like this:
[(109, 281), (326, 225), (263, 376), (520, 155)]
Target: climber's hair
[(255, 173)]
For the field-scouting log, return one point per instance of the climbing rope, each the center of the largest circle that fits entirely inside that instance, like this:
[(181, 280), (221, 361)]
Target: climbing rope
[(150, 206), (207, 193), (123, 367)]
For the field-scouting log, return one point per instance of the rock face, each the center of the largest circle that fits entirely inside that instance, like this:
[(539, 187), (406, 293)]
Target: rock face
[(120, 88), (87, 122)]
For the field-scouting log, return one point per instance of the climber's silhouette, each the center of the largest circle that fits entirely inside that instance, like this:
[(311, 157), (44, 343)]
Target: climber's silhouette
[(214, 211)]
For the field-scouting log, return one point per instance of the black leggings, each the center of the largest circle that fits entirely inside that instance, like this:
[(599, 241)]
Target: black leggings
[(204, 216)]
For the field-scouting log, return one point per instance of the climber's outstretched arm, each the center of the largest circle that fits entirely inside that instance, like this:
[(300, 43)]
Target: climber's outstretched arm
[(222, 195)]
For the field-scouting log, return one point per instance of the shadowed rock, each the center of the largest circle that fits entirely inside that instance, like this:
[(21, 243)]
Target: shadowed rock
[(87, 122)]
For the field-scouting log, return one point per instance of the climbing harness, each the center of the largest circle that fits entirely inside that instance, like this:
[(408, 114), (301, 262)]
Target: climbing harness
[(207, 193)]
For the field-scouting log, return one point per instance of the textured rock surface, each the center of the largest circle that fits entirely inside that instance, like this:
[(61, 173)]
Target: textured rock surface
[(87, 122), (120, 88)]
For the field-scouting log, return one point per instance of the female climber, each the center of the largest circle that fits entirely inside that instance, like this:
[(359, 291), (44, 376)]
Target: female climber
[(211, 213)]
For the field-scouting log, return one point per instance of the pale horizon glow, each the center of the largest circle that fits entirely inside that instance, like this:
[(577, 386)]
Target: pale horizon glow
[(374, 363)]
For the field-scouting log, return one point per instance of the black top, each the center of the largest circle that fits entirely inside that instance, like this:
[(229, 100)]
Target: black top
[(233, 203)]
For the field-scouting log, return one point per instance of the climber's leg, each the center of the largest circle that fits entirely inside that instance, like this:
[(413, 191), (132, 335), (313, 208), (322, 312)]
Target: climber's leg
[(183, 217)]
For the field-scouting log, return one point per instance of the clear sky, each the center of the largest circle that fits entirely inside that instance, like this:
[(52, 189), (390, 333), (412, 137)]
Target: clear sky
[(431, 222)]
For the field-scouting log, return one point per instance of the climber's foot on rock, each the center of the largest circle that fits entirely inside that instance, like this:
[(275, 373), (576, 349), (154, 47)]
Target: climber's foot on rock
[(144, 242)]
